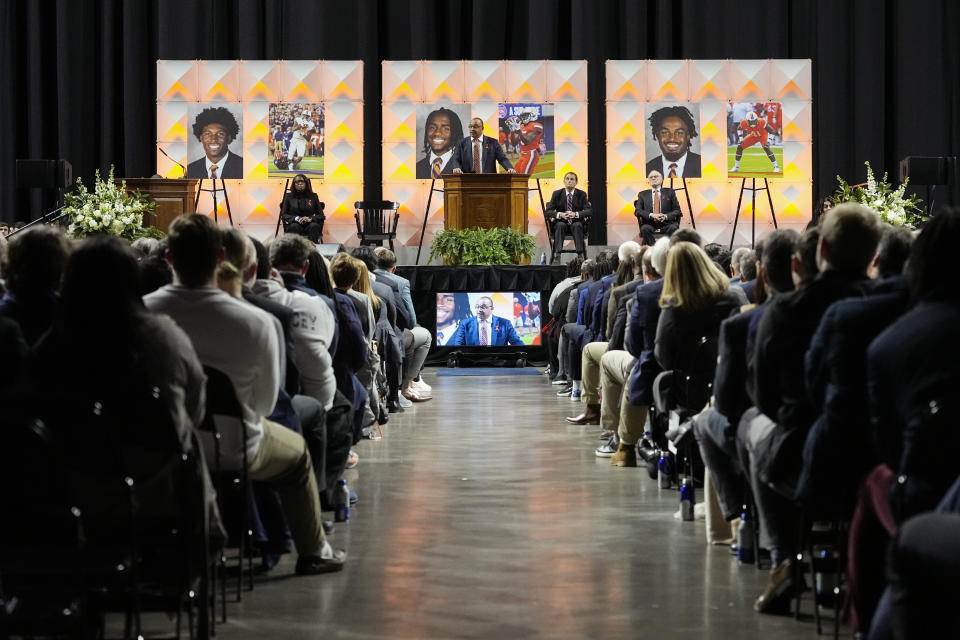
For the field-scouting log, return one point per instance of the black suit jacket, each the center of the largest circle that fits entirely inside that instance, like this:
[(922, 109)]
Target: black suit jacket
[(669, 206), (558, 204), (231, 169), (463, 156), (691, 168)]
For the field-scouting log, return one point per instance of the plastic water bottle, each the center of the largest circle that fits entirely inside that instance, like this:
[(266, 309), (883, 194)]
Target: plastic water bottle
[(543, 257), (687, 499), (664, 471), (746, 554), (342, 502)]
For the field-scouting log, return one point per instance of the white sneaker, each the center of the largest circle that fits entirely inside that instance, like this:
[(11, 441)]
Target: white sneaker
[(403, 402), (776, 168), (421, 386), (736, 166)]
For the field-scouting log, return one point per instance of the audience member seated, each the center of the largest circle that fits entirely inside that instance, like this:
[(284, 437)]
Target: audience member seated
[(715, 427), (300, 210), (242, 341), (913, 368), (623, 406), (557, 306), (582, 331), (748, 274), (35, 260), (848, 241)]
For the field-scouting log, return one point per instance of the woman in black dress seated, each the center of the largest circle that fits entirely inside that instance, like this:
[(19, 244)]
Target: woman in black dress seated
[(300, 210)]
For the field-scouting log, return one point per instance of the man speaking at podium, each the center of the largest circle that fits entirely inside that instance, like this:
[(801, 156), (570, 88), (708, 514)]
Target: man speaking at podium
[(485, 329), (478, 150)]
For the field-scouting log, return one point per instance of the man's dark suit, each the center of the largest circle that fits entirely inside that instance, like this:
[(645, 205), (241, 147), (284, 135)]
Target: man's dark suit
[(669, 206), (691, 168), (230, 167), (583, 209), (463, 156)]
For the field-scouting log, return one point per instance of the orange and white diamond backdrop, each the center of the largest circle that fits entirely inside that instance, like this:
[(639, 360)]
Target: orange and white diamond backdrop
[(255, 200), (713, 197), (483, 84)]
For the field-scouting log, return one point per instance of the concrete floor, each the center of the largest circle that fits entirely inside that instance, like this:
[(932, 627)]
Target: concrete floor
[(482, 514)]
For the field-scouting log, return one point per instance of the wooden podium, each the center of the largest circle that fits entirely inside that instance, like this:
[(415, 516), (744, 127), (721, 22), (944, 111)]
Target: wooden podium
[(485, 200), (173, 197)]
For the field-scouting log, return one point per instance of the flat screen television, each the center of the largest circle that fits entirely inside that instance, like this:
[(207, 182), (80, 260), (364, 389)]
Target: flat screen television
[(488, 318)]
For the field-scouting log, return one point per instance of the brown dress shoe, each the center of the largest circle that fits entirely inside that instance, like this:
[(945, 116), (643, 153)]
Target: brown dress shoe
[(780, 590), (626, 456), (590, 416)]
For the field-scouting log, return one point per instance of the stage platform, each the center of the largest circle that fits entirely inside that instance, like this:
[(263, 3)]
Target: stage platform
[(427, 281)]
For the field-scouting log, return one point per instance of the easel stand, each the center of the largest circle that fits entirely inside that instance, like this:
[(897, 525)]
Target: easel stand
[(213, 192), (426, 212), (753, 188), (686, 194)]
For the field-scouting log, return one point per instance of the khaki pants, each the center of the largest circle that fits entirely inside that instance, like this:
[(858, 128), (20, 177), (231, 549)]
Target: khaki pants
[(591, 372), (616, 412), (284, 463)]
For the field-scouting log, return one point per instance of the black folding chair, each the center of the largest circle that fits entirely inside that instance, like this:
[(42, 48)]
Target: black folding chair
[(556, 251), (375, 222)]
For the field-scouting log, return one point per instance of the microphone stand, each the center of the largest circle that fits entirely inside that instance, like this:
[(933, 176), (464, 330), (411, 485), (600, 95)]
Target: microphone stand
[(171, 158), (41, 220)]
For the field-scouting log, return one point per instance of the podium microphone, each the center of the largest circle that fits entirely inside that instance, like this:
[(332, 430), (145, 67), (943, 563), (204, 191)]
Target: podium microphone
[(171, 158)]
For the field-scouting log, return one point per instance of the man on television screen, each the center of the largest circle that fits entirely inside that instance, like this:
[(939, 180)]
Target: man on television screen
[(216, 129), (485, 329)]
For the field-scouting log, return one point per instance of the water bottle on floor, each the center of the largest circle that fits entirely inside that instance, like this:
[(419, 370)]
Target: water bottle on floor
[(687, 499), (543, 258), (745, 551), (341, 511), (664, 471)]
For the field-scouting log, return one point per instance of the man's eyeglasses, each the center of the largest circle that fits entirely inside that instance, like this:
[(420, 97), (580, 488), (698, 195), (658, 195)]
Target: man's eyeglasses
[(482, 306)]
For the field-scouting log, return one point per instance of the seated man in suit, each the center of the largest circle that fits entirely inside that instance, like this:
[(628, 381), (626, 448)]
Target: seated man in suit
[(569, 210), (216, 129), (486, 328), (483, 148), (658, 210)]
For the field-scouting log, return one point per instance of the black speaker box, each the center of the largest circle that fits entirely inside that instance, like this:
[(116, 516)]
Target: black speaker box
[(330, 249), (926, 169), (44, 174)]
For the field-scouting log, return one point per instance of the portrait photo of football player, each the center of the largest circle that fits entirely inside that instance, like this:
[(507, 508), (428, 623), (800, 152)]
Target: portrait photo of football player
[(674, 129), (526, 132), (758, 132), (440, 130), (216, 137)]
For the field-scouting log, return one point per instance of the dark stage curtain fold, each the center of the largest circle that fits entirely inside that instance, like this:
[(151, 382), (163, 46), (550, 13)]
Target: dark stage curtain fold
[(78, 77)]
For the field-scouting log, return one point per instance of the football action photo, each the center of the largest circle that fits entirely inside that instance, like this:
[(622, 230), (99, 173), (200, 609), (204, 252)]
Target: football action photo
[(754, 140)]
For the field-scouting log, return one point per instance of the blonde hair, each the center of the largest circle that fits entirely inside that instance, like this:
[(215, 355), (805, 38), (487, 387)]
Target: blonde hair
[(692, 280), (363, 284), (229, 278)]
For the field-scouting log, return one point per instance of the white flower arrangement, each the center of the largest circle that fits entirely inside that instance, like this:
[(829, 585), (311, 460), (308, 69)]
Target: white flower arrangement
[(889, 203), (108, 209)]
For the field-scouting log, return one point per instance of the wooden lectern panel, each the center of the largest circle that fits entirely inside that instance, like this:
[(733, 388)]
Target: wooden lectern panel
[(485, 200), (173, 198)]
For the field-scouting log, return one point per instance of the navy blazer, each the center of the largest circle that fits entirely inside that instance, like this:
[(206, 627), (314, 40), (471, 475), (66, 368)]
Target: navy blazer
[(468, 333), (558, 203), (492, 153), (641, 341)]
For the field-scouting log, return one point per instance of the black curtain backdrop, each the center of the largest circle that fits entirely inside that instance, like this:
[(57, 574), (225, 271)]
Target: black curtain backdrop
[(78, 77)]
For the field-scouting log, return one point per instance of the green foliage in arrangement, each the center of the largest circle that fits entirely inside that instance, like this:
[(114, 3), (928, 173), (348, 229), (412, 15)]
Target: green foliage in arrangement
[(503, 245)]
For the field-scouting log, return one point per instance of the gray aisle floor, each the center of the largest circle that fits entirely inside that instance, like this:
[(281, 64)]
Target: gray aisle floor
[(482, 514)]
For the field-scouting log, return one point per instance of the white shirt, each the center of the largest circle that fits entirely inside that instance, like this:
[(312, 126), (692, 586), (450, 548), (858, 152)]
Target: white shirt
[(299, 134), (444, 335), (237, 338), (489, 325), (666, 166), (444, 159)]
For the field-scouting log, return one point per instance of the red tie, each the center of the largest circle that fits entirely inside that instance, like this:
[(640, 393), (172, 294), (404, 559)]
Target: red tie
[(476, 159), (656, 201), (213, 171), (483, 334)]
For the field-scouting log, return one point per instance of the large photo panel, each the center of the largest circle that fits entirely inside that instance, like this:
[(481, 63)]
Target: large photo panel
[(295, 142), (673, 146), (440, 127), (526, 135), (215, 141)]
